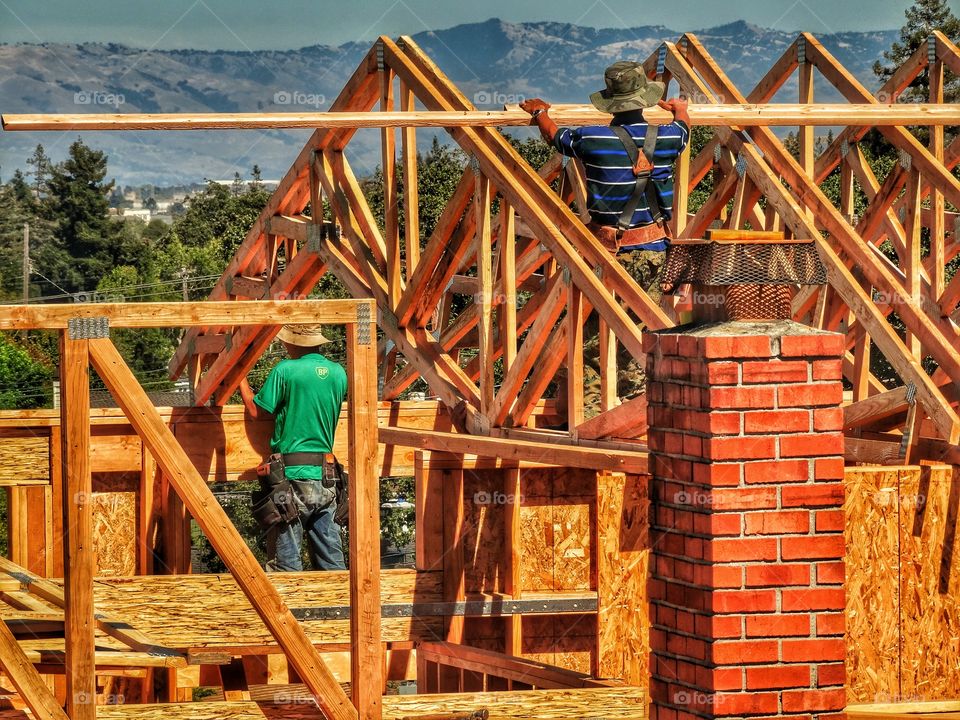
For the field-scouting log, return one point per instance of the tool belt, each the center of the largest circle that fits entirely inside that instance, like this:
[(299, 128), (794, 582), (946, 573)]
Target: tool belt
[(274, 502), (613, 238)]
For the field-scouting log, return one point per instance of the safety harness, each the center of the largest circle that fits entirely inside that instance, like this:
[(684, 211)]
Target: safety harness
[(642, 169)]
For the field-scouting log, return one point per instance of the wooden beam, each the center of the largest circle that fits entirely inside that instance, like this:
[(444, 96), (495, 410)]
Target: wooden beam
[(563, 455), (219, 529), (78, 556), (731, 115), (411, 188), (628, 420), (180, 314), (937, 261), (366, 657), (507, 314), (391, 209), (483, 298)]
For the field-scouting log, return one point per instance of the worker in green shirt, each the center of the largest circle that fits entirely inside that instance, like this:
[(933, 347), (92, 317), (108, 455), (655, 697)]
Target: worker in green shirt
[(303, 395)]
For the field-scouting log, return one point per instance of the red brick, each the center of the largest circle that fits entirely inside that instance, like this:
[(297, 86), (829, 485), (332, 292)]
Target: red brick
[(721, 423), (775, 371), (830, 345), (721, 679), (828, 469), (778, 575), (742, 549), (828, 419), (743, 498), (740, 448), (745, 346), (813, 547), (812, 599), (811, 444), (692, 445), (771, 626), (778, 676), (776, 471), (748, 703), (830, 573), (744, 601), (689, 346), (651, 343), (720, 626), (692, 396), (777, 523), (832, 674), (831, 623), (776, 421), (812, 495), (814, 700), (830, 521), (745, 652), (721, 576), (716, 474), (810, 395), (724, 523), (733, 398), (827, 369), (722, 373), (819, 650)]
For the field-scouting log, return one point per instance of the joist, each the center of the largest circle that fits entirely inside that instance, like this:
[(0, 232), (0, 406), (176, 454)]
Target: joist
[(732, 115)]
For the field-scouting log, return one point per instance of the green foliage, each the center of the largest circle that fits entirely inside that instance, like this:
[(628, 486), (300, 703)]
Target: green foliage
[(397, 523), (923, 17), (25, 382)]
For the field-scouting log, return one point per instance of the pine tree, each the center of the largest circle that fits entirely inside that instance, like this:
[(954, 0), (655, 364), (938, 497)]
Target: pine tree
[(923, 17), (41, 171), (78, 204)]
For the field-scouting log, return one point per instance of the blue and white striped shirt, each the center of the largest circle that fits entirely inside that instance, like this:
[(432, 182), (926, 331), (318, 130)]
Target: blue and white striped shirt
[(610, 178)]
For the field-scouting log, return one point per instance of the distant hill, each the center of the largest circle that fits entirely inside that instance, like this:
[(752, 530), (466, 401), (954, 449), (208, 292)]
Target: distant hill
[(493, 62)]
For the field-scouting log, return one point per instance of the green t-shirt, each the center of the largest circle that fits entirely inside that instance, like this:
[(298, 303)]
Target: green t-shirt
[(304, 395)]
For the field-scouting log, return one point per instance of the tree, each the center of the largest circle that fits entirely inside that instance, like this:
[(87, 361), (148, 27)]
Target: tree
[(24, 381), (41, 171), (78, 203), (923, 17)]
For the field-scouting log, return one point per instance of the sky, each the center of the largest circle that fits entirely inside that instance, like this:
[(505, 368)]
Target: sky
[(284, 24)]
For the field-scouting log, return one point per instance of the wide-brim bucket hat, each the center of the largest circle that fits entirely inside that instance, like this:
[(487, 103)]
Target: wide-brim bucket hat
[(627, 88), (302, 335)]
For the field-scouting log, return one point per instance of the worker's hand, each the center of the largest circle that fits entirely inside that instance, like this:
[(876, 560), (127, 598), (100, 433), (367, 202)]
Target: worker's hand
[(534, 104), (677, 107)]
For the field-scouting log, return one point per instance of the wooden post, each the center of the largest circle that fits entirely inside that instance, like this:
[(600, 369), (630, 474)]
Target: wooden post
[(681, 195), (937, 229), (574, 358), (391, 222), (219, 529), (912, 264), (508, 278), (367, 652), (147, 529), (78, 559), (56, 501), (484, 296), (807, 140), (411, 188), (513, 624)]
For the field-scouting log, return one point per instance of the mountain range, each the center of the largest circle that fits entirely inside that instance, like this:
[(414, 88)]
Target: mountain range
[(492, 62)]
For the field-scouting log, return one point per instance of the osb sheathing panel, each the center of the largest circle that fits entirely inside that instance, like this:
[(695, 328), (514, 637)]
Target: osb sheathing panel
[(623, 556), (555, 532), (930, 583), (567, 641), (873, 595), (25, 458), (114, 504), (483, 531)]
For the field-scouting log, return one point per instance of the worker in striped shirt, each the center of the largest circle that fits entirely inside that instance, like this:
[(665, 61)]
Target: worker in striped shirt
[(640, 240), (629, 189)]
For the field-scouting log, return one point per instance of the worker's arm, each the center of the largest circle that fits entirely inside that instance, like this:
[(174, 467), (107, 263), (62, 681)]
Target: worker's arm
[(253, 410), (677, 106), (538, 111)]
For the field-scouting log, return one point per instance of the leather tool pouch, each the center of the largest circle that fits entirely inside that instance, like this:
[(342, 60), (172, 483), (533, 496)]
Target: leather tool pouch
[(274, 502)]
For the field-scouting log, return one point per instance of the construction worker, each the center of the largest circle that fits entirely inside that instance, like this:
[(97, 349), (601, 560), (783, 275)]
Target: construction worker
[(300, 480), (629, 172)]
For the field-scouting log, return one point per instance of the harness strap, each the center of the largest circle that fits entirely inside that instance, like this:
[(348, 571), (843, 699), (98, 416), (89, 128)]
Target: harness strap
[(642, 164)]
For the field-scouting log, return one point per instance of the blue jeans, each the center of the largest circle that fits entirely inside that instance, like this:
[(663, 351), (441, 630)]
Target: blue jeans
[(317, 506)]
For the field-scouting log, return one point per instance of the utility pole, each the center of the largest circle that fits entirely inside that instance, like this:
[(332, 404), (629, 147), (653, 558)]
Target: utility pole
[(26, 263), (183, 280)]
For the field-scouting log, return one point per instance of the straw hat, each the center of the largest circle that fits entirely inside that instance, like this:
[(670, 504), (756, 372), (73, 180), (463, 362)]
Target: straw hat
[(627, 89), (302, 335)]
